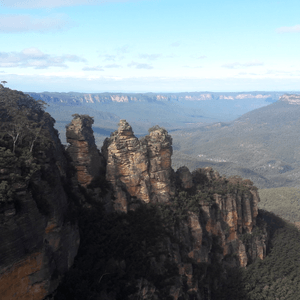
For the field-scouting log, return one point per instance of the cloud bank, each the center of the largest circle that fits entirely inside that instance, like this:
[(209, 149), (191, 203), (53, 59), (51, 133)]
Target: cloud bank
[(236, 65), (34, 58), (25, 23), (285, 29), (53, 3), (97, 68), (139, 65)]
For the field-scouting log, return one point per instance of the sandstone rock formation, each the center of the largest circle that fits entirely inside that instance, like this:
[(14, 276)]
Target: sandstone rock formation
[(232, 216), (139, 169), (290, 99), (83, 151), (213, 219), (227, 222), (38, 241)]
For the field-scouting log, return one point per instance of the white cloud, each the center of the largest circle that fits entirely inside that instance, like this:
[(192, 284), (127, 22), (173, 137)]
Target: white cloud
[(97, 68), (139, 66), (199, 57), (175, 44), (115, 54), (285, 29), (83, 83), (192, 67), (113, 66), (109, 57), (24, 23), (150, 56), (53, 3), (236, 65), (35, 58), (123, 49)]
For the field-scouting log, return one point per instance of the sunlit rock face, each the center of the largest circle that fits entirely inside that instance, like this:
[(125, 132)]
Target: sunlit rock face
[(232, 217), (141, 169), (138, 169), (127, 166), (159, 148), (290, 99), (86, 158)]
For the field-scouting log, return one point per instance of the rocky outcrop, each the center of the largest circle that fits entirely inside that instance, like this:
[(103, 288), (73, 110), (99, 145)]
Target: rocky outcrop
[(231, 216), (84, 153), (290, 99), (216, 212), (139, 169), (221, 231), (38, 239), (206, 220), (159, 146)]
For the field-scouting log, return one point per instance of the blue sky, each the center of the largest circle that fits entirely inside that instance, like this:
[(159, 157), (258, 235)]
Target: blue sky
[(150, 45)]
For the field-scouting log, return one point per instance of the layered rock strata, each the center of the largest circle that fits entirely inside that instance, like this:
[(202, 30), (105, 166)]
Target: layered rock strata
[(223, 232), (86, 157), (139, 169)]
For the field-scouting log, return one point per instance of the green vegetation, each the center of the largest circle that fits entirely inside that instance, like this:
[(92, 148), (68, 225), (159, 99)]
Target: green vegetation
[(275, 277), (27, 145), (284, 202), (262, 145), (116, 251)]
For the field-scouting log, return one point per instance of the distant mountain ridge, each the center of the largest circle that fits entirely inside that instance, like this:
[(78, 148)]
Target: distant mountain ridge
[(263, 145), (291, 99), (83, 98)]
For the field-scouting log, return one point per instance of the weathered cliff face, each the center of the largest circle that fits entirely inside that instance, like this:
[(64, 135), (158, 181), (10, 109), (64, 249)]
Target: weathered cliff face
[(139, 169), (159, 146), (290, 99), (221, 231), (38, 241), (231, 216), (200, 221), (204, 220), (38, 245), (227, 208), (83, 151)]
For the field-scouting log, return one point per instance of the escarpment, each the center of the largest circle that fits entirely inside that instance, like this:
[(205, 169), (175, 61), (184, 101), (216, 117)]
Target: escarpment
[(209, 220), (172, 235), (83, 151), (39, 236)]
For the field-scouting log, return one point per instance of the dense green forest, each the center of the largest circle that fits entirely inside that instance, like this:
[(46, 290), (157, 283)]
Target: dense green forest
[(284, 202), (275, 277), (23, 134)]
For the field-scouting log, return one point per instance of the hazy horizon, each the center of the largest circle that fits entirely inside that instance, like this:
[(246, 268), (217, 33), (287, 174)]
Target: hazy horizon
[(150, 45)]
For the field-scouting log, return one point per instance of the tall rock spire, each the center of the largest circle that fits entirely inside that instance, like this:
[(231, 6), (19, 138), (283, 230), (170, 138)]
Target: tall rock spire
[(138, 168), (87, 159)]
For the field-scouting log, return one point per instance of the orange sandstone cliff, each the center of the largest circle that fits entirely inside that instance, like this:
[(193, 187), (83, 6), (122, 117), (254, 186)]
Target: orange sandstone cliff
[(139, 169)]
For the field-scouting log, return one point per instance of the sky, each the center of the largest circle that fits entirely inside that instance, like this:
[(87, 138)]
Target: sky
[(150, 45)]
